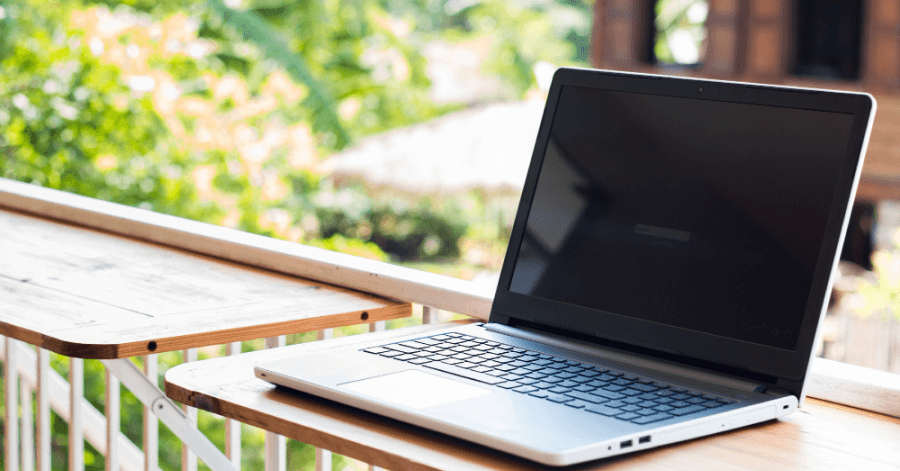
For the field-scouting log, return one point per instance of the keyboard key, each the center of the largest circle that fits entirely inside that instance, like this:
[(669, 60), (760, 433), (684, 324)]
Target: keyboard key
[(539, 393), (709, 397), (559, 398), (545, 356), (664, 400), (597, 384), (647, 404), (511, 377), (573, 362), (630, 392), (391, 353), (452, 361), (678, 390), (542, 361), (628, 416), (645, 381), (651, 418), (375, 350), (644, 387), (497, 373), (441, 337), (466, 365), (646, 411), (694, 393), (509, 385), (615, 404), (525, 389), (696, 400), (413, 344), (603, 410), (405, 357), (536, 375), (725, 401), (630, 377), (559, 390), (632, 400), (543, 385), (574, 369), (607, 394), (590, 373), (648, 397), (586, 397), (580, 379), (622, 382), (518, 363), (564, 375), (520, 372), (552, 379), (481, 369), (583, 388), (630, 408), (422, 361), (614, 373), (614, 388), (711, 404), (483, 378), (687, 410), (577, 404), (664, 408), (680, 397), (504, 368), (679, 404), (568, 384), (664, 393), (527, 381), (490, 364), (428, 341)]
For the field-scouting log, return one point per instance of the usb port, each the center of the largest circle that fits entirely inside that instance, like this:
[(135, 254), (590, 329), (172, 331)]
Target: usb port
[(625, 444), (644, 439)]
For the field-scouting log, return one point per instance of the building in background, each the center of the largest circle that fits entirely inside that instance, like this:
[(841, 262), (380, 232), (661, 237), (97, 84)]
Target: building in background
[(838, 44)]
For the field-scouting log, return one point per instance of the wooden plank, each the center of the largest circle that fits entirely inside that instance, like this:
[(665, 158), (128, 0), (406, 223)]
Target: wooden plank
[(821, 436), (281, 256), (88, 294)]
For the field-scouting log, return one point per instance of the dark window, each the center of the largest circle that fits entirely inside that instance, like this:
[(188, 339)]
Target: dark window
[(828, 36)]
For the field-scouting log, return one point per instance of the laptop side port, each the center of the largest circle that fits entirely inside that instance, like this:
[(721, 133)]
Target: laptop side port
[(625, 444), (644, 440)]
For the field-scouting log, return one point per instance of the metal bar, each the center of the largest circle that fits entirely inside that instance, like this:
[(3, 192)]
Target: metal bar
[(11, 411), (171, 415), (276, 445), (233, 427), (188, 458), (26, 395), (112, 405), (430, 314), (43, 409), (76, 415), (151, 424)]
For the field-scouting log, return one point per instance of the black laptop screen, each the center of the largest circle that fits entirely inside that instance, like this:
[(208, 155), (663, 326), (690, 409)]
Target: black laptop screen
[(698, 214)]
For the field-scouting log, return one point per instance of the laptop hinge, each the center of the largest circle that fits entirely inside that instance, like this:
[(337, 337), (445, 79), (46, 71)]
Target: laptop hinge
[(641, 361)]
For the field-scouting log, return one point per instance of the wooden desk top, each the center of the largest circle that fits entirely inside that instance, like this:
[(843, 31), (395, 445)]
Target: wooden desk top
[(89, 294), (822, 436)]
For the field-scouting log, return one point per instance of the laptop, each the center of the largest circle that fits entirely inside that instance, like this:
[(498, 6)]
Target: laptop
[(667, 271)]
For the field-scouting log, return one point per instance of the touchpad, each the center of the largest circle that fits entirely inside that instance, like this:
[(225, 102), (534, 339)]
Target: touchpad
[(416, 389)]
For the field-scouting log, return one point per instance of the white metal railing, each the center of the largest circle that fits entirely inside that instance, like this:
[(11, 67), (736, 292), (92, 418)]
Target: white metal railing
[(27, 371)]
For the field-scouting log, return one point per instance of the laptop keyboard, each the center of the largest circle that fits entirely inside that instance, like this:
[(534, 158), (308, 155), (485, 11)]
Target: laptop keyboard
[(592, 388)]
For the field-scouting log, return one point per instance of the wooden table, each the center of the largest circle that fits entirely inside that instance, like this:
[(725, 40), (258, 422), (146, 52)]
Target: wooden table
[(89, 294), (822, 436)]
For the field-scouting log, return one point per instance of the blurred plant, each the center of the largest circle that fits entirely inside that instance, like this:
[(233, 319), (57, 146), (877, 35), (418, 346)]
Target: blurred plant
[(680, 31), (881, 293)]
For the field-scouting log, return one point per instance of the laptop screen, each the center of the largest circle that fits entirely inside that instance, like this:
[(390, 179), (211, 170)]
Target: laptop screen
[(693, 213)]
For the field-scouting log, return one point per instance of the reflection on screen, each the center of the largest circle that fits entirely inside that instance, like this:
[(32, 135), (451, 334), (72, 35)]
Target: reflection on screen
[(697, 214)]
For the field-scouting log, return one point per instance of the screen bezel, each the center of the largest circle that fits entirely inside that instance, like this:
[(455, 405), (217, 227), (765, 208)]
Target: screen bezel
[(780, 363)]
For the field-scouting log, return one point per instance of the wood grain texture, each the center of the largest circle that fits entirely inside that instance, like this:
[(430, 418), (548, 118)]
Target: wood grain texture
[(90, 294), (281, 256), (822, 436)]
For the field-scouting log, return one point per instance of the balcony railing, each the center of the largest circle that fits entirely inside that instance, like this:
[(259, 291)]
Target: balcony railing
[(34, 389)]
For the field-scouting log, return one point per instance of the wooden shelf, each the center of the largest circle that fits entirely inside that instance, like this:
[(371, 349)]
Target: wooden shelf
[(89, 294), (822, 436)]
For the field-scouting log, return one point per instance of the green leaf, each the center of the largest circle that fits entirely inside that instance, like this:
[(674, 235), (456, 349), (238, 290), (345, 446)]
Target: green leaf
[(257, 30)]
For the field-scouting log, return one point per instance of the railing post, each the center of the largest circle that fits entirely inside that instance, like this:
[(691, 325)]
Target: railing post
[(430, 315), (323, 457), (112, 405), (76, 415), (27, 426), (151, 423), (43, 410), (11, 412), (376, 326), (233, 427), (276, 445), (188, 458)]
